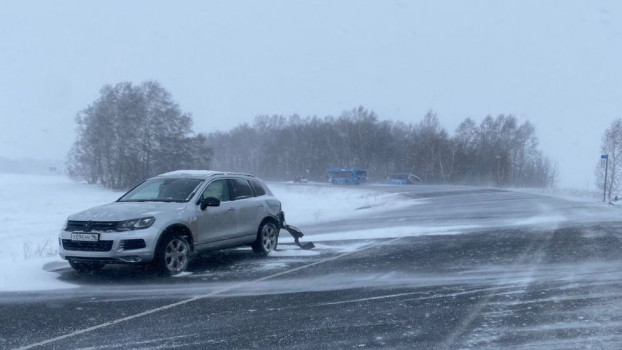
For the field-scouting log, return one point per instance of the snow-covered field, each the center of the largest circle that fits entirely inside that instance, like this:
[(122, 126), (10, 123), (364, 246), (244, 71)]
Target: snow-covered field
[(33, 208)]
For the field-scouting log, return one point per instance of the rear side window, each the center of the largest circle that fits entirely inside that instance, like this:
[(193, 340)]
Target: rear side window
[(258, 188), (217, 189), (241, 189)]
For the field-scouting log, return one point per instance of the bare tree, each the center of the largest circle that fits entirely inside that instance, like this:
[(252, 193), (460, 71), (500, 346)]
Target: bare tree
[(132, 132), (612, 147)]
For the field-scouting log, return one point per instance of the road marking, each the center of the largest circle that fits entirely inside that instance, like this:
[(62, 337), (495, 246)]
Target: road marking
[(367, 299), (186, 301), (435, 296)]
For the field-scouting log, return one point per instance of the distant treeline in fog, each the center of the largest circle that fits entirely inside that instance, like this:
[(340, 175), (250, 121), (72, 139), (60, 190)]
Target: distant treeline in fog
[(497, 151), (31, 166), (132, 132)]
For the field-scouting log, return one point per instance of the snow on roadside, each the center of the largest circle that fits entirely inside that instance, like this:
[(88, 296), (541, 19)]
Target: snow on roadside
[(591, 202), (33, 208), (27, 275), (308, 203), (569, 194)]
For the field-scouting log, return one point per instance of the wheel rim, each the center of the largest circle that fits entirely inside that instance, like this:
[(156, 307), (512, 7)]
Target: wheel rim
[(268, 237), (176, 255)]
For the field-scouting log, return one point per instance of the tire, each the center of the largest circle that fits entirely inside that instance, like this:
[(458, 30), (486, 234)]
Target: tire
[(86, 267), (267, 238), (172, 256)]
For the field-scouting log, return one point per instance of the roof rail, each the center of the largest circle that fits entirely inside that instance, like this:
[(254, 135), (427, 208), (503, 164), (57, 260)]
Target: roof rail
[(204, 173), (239, 174)]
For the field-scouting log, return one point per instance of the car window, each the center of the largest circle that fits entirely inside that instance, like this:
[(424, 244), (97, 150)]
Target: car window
[(217, 189), (257, 188), (241, 189)]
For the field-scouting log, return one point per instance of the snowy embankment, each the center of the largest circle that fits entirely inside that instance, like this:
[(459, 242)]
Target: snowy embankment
[(33, 208), (310, 203)]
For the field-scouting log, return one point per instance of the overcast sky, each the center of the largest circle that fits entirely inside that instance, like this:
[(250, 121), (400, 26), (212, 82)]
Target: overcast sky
[(557, 64)]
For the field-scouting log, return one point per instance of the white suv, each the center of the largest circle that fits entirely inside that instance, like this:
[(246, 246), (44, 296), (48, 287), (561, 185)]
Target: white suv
[(167, 219)]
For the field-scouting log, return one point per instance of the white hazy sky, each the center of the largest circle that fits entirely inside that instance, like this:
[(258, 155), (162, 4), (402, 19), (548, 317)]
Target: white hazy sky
[(557, 64)]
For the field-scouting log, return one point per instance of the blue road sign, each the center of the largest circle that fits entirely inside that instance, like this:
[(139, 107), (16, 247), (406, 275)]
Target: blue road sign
[(604, 156)]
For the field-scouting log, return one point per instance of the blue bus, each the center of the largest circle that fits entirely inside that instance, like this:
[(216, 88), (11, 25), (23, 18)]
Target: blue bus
[(347, 176)]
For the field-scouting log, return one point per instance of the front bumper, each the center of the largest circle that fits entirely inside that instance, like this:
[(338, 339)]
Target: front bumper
[(112, 247)]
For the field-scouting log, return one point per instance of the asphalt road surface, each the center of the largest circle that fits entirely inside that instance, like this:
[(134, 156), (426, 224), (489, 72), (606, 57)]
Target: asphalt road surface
[(481, 269)]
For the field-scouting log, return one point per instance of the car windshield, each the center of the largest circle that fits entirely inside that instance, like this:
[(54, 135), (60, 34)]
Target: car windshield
[(163, 190)]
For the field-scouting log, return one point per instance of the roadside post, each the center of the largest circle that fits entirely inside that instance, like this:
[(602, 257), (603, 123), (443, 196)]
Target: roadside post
[(606, 158)]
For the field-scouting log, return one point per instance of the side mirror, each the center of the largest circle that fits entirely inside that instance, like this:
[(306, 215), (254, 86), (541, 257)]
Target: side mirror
[(210, 202)]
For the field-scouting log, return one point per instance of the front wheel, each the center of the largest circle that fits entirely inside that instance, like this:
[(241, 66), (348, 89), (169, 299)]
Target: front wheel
[(173, 255), (267, 238), (86, 267)]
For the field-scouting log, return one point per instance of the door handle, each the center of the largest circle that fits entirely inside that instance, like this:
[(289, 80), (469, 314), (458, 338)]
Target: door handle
[(260, 205), (231, 209)]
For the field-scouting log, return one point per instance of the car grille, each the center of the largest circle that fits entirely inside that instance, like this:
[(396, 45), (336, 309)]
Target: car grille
[(99, 246), (88, 226)]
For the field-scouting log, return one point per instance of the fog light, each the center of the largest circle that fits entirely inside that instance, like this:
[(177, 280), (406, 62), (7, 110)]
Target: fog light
[(129, 244), (131, 259)]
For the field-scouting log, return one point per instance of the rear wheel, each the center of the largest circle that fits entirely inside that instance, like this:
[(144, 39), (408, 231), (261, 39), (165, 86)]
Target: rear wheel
[(267, 238), (86, 266), (173, 255)]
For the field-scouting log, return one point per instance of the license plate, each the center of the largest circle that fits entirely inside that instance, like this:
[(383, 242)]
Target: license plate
[(88, 237)]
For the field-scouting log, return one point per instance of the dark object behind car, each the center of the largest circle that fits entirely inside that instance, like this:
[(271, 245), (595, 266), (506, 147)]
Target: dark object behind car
[(402, 179)]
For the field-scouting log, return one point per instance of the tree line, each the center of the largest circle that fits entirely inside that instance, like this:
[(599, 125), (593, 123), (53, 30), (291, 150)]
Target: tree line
[(132, 132), (497, 151)]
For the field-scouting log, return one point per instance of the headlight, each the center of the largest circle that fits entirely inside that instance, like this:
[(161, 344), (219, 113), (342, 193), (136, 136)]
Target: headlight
[(135, 224)]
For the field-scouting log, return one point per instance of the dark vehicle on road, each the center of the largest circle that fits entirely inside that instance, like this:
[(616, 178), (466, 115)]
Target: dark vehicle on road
[(301, 179), (402, 179)]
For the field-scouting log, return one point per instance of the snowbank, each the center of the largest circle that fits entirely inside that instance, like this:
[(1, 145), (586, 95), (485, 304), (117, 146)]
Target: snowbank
[(309, 203), (33, 208)]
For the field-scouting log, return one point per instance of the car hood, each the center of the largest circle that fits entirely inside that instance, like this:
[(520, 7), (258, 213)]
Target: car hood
[(119, 211)]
